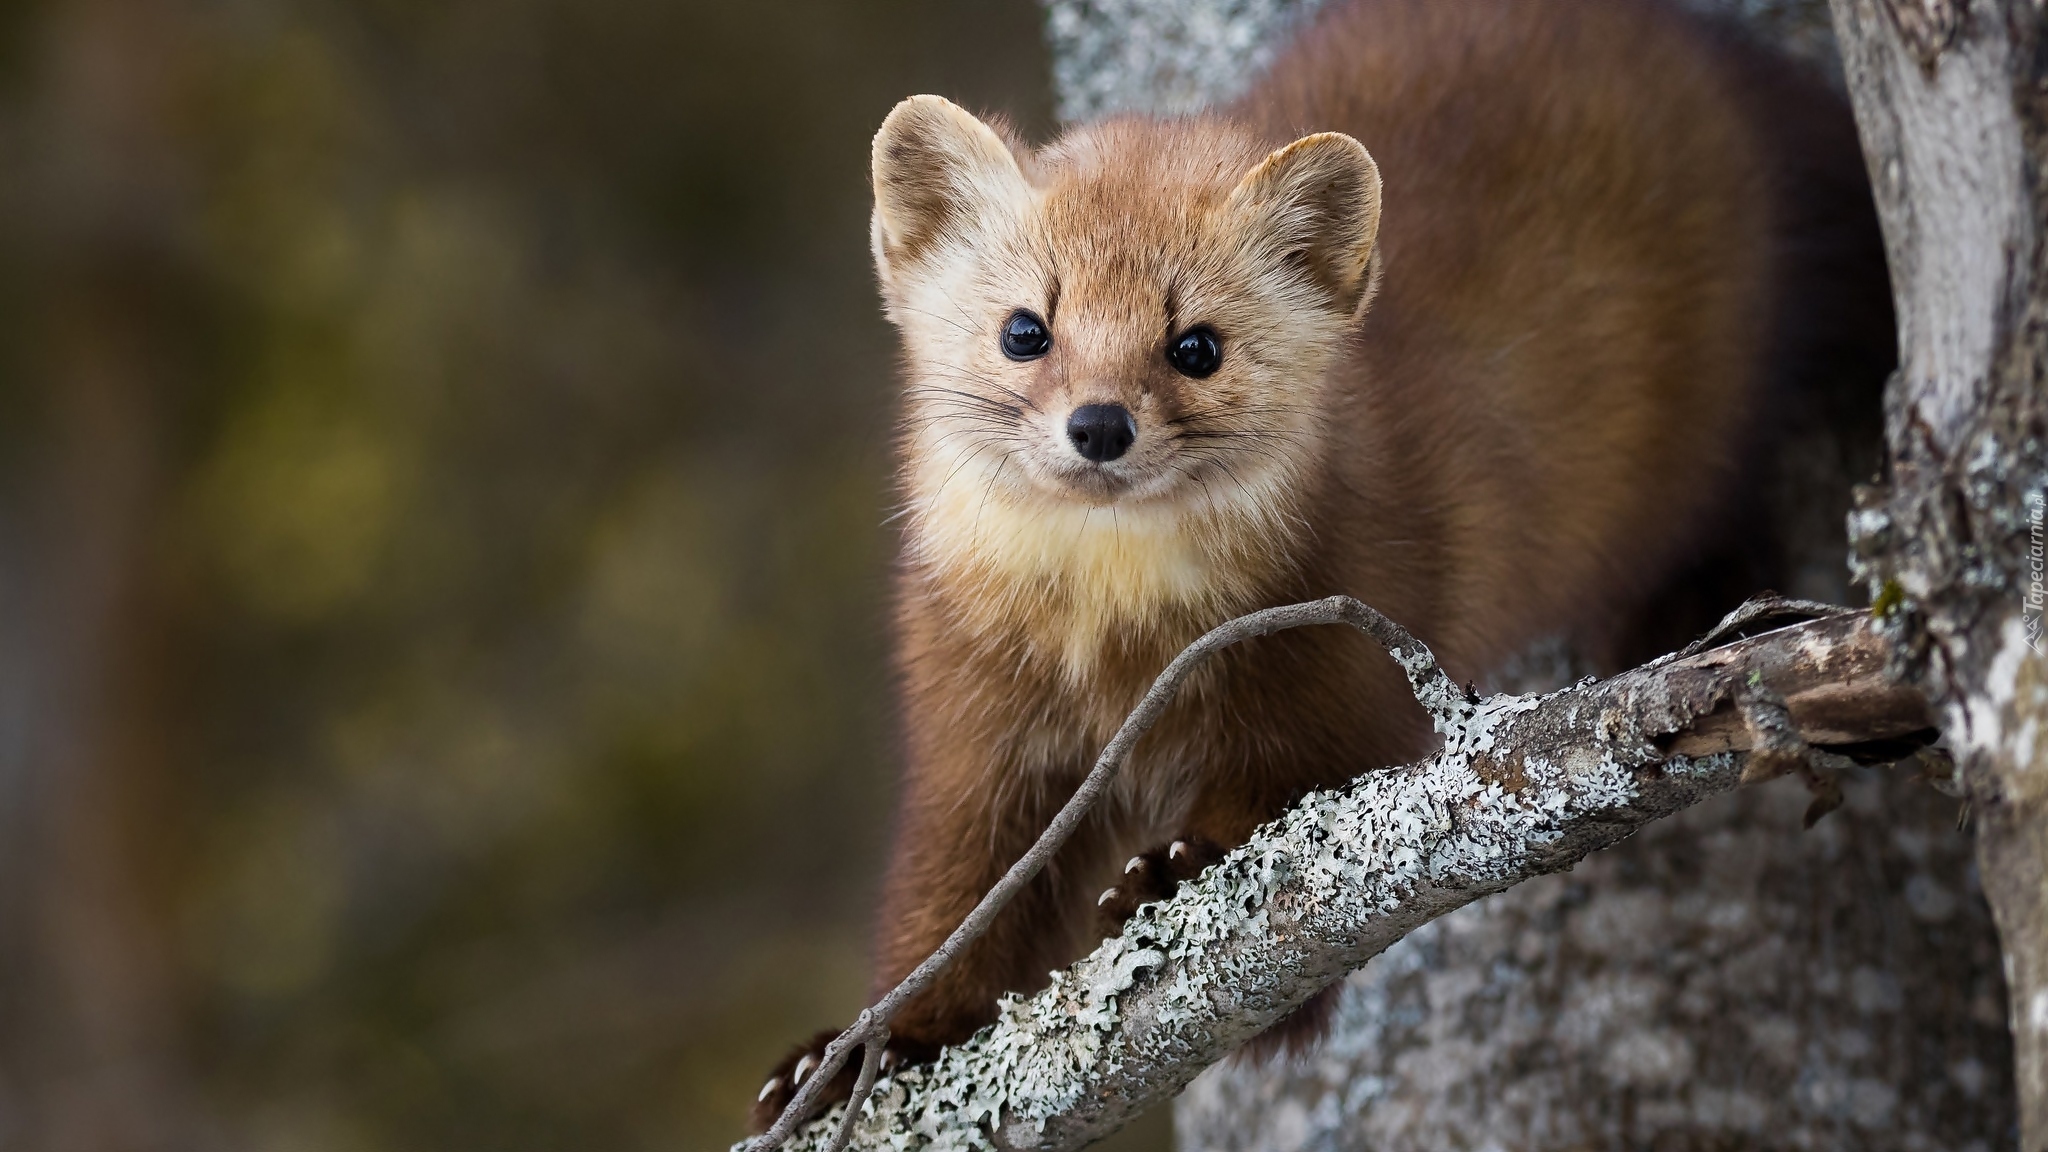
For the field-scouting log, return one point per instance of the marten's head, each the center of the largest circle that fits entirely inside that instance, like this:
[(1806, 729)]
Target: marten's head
[(1116, 352)]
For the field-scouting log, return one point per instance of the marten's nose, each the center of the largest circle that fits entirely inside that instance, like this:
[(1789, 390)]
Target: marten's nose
[(1101, 432)]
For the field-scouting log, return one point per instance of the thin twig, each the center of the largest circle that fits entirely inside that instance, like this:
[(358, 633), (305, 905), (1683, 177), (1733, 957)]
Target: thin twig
[(1447, 704), (870, 1063)]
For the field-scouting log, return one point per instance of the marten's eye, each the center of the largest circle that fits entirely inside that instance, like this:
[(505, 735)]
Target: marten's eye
[(1025, 337), (1196, 352)]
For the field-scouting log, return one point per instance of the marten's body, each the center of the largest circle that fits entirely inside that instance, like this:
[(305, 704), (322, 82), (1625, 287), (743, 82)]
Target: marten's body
[(1517, 408)]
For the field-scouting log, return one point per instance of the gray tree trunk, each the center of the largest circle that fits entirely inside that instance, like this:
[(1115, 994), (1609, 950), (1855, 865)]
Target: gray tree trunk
[(1952, 99), (1725, 980)]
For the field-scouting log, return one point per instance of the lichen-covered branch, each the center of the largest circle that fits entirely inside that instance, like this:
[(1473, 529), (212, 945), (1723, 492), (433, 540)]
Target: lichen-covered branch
[(1523, 786)]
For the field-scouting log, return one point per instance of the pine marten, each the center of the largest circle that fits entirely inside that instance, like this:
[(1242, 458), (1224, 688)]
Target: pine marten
[(1480, 311)]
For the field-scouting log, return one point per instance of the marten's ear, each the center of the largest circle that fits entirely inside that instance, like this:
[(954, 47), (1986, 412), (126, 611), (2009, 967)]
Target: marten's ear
[(937, 171), (1316, 204)]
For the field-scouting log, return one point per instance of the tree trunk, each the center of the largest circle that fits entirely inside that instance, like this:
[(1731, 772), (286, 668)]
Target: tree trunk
[(1722, 980), (1952, 99), (1725, 980)]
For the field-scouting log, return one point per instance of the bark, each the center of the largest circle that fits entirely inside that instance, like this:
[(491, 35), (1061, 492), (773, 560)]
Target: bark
[(1181, 55), (1722, 980), (1161, 55), (1952, 100), (1524, 786)]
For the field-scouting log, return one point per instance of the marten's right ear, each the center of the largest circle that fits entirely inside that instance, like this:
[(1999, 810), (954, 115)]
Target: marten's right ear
[(938, 171), (1315, 205)]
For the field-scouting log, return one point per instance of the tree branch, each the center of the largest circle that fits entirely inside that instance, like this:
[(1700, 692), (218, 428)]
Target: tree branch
[(1523, 786)]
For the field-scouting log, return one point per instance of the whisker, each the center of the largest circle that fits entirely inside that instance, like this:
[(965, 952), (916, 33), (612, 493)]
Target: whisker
[(965, 402), (982, 506), (1232, 434), (944, 319), (969, 375), (970, 458)]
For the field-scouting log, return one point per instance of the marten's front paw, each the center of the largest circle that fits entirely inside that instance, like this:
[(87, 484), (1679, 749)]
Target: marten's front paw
[(791, 1072), (804, 1060), (1153, 876)]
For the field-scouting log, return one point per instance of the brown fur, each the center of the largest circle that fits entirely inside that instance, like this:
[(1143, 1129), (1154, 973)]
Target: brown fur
[(1589, 285)]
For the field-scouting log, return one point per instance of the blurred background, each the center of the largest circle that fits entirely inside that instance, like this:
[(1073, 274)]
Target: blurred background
[(443, 471)]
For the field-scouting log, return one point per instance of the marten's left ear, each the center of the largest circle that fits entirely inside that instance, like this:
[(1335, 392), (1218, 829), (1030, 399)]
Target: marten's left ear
[(938, 173), (1316, 204)]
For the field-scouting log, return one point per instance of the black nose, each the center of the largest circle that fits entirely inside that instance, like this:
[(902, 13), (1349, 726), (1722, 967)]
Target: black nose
[(1101, 432)]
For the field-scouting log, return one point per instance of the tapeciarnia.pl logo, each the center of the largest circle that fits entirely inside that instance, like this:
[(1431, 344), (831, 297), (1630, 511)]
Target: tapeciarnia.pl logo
[(2037, 582)]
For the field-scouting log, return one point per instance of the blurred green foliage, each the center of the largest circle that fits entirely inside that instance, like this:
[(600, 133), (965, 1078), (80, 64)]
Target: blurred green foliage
[(515, 553)]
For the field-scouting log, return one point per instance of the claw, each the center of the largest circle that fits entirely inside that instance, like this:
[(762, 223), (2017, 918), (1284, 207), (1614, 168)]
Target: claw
[(889, 1060), (768, 1089), (1179, 849), (1133, 864), (803, 1068), (1108, 894)]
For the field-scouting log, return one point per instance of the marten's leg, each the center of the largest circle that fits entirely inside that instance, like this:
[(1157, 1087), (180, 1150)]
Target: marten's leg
[(950, 850), (952, 845)]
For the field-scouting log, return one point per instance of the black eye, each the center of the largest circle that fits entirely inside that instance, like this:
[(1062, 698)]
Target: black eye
[(1196, 352), (1025, 337)]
